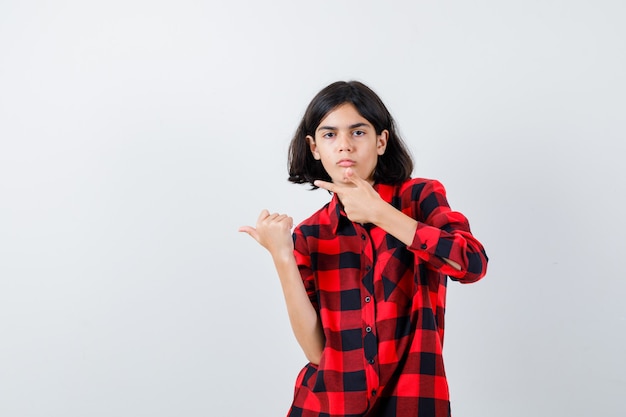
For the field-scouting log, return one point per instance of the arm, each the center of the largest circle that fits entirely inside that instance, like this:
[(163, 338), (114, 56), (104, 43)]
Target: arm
[(304, 320), (400, 226), (442, 238), (445, 234), (273, 232)]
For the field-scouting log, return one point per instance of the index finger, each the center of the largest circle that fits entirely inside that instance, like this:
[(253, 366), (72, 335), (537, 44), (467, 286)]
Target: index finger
[(329, 186)]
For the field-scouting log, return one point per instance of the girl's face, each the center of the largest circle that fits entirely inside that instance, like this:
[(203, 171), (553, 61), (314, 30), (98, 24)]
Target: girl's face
[(345, 139)]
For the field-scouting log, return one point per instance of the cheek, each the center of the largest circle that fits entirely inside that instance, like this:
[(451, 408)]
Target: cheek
[(324, 154)]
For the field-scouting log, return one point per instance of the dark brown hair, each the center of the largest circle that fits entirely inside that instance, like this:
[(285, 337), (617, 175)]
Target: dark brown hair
[(393, 167)]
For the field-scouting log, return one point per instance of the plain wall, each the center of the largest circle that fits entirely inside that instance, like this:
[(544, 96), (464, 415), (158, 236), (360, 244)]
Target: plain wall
[(137, 136)]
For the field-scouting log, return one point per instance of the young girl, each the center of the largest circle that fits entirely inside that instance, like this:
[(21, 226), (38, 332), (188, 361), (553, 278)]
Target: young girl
[(364, 278)]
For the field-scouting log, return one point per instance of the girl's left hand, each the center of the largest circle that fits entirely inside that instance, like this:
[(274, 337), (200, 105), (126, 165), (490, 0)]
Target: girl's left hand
[(360, 201)]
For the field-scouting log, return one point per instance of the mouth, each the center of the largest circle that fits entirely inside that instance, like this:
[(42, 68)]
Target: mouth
[(346, 163)]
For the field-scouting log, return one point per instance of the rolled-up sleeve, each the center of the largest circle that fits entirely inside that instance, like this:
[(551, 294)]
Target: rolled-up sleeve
[(443, 233), (303, 260)]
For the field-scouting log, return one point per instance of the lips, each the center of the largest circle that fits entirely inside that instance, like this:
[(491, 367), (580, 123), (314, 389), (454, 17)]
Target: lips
[(346, 163)]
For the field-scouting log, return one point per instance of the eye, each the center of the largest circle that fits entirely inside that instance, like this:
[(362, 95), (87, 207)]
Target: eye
[(358, 133), (328, 135)]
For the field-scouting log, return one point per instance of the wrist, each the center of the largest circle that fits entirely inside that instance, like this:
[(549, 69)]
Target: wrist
[(381, 213), (397, 224), (282, 256)]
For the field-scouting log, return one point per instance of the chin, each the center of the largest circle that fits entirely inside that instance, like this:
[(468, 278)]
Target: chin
[(341, 180)]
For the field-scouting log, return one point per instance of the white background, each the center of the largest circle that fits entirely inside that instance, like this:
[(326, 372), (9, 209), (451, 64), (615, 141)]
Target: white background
[(137, 136)]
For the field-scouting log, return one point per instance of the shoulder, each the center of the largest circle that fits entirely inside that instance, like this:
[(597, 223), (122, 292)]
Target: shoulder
[(415, 189), (415, 195), (419, 181), (311, 225)]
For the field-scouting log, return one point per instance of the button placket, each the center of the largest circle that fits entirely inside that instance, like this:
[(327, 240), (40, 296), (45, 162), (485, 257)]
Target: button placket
[(368, 316)]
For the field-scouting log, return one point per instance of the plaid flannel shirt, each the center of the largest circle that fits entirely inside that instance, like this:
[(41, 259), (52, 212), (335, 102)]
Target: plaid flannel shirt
[(382, 305)]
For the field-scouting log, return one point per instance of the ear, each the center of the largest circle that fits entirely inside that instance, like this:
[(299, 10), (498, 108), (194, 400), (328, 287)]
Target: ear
[(313, 146), (381, 142)]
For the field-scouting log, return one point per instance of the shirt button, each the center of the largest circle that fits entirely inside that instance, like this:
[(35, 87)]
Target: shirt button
[(368, 329), (370, 361), (362, 237), (424, 246), (368, 299), (373, 392), (367, 268)]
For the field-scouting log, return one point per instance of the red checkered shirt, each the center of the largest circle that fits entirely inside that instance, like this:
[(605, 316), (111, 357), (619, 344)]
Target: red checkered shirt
[(382, 304)]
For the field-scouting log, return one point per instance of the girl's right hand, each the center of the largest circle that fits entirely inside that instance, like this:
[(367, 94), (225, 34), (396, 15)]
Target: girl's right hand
[(273, 232)]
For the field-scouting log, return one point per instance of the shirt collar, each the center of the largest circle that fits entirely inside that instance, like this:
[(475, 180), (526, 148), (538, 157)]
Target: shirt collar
[(335, 212)]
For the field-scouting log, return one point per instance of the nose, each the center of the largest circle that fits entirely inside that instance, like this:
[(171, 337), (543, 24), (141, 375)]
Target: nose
[(344, 142)]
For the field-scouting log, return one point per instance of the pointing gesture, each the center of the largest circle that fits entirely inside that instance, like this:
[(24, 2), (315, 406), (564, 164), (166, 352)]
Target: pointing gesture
[(273, 232), (360, 201)]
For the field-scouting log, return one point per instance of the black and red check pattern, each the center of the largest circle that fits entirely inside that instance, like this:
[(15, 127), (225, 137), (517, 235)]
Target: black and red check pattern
[(382, 306)]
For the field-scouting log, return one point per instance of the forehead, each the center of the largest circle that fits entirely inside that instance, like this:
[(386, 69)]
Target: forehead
[(343, 116)]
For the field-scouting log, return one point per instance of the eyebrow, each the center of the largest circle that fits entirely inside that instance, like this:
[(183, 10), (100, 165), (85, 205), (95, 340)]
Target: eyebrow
[(354, 126)]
